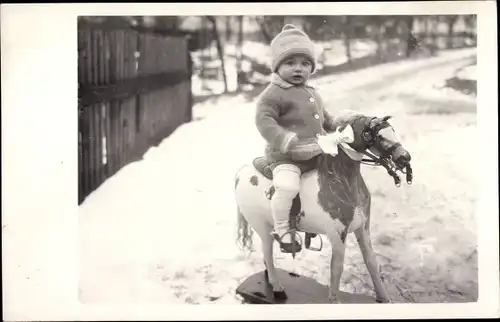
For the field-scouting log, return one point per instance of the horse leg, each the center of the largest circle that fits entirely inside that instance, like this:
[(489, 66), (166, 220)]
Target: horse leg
[(267, 249), (336, 267), (370, 259), (264, 229)]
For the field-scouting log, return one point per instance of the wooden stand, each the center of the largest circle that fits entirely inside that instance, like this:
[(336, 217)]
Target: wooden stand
[(299, 290)]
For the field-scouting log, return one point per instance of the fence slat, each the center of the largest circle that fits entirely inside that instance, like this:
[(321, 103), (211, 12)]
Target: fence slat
[(96, 109), (107, 106), (112, 106), (81, 167), (140, 98), (133, 105), (117, 122), (121, 75), (90, 134), (84, 117), (131, 100), (125, 106), (100, 110), (92, 160)]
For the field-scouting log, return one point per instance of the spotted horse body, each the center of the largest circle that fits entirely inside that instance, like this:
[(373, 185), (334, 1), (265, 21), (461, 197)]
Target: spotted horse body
[(334, 201)]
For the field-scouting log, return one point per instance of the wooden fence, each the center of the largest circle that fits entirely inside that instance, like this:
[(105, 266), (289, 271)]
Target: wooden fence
[(134, 90)]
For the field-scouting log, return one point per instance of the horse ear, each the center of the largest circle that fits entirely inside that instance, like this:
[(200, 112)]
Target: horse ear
[(374, 121), (342, 127), (385, 118)]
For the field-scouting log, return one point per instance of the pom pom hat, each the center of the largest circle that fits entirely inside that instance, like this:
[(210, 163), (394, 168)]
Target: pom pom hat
[(291, 41)]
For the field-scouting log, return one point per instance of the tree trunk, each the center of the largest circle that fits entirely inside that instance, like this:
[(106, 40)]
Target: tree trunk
[(411, 41), (219, 50), (379, 33), (203, 45), (434, 25), (263, 30), (347, 38), (451, 24), (239, 52), (471, 26), (228, 29), (428, 34)]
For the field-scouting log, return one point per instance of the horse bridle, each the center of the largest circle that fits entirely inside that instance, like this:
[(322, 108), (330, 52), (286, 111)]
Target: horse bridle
[(370, 137)]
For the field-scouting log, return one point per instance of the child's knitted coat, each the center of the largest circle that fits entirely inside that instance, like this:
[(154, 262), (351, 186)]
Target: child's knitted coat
[(290, 118)]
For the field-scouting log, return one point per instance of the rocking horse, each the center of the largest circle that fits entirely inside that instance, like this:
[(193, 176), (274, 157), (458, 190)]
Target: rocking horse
[(333, 201)]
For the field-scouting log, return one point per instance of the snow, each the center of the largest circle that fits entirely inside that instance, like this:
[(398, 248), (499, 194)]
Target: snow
[(162, 230), (468, 72)]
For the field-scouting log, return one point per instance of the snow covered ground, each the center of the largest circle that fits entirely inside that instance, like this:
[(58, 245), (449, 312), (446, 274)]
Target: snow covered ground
[(162, 230), (468, 72)]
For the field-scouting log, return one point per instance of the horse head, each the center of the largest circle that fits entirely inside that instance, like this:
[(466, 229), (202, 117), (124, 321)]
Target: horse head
[(376, 134)]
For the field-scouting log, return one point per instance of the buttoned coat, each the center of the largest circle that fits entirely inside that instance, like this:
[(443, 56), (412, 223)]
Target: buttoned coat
[(290, 118)]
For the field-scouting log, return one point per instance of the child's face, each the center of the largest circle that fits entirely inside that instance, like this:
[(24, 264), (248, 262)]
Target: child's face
[(295, 69)]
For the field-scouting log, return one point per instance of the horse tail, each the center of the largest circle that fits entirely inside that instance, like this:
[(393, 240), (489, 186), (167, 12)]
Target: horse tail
[(244, 232)]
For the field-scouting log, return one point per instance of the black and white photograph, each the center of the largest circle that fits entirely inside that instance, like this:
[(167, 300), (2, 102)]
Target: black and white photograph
[(235, 159)]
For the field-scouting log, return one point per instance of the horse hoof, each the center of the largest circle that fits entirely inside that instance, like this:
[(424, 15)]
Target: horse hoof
[(280, 295), (334, 300), (383, 300)]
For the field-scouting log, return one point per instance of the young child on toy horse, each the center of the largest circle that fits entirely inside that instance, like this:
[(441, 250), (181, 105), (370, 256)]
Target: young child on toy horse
[(292, 119)]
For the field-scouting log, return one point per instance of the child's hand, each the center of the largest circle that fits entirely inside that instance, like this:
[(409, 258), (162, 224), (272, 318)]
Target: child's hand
[(329, 143)]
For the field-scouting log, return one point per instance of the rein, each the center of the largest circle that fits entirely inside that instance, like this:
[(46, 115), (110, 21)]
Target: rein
[(390, 167)]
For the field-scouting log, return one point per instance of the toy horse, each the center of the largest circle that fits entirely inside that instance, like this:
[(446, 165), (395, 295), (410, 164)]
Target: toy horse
[(333, 199)]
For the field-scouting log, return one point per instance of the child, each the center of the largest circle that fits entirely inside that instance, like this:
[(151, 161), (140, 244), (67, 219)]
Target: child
[(292, 119)]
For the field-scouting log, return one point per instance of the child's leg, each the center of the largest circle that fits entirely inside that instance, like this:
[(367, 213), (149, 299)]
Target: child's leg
[(286, 181)]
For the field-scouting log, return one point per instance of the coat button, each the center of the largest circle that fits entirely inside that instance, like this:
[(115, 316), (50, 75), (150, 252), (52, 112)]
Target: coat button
[(316, 116), (311, 99), (317, 135)]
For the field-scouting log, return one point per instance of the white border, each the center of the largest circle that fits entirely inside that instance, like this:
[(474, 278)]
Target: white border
[(39, 164)]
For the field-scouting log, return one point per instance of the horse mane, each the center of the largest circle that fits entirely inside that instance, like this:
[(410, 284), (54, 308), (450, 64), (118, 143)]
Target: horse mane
[(350, 118), (328, 164)]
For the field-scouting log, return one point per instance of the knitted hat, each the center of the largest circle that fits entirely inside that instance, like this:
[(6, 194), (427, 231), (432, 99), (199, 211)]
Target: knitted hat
[(290, 41)]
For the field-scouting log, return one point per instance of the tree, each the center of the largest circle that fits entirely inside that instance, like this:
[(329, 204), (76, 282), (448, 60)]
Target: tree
[(411, 41), (470, 24), (267, 36), (347, 37), (219, 48), (433, 24), (228, 29), (377, 22), (239, 52), (450, 21)]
